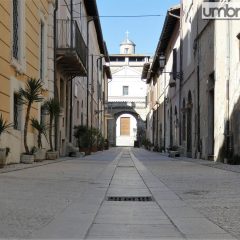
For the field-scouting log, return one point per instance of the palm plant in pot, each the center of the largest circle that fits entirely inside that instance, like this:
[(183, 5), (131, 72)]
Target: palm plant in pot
[(32, 93), (53, 108), (40, 153), (4, 126)]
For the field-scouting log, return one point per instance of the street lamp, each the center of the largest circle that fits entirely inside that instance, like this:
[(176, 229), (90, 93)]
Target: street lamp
[(162, 63)]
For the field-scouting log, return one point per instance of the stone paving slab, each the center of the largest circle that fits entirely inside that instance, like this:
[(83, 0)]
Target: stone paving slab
[(189, 222), (79, 209), (133, 231), (75, 220)]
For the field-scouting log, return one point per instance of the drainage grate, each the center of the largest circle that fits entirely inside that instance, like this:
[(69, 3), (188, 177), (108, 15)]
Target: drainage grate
[(131, 199)]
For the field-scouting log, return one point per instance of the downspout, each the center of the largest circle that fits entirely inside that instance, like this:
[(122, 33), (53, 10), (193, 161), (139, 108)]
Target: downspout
[(198, 92), (71, 110), (71, 13), (88, 70), (55, 72), (92, 91), (228, 132), (71, 85), (157, 113), (164, 114), (181, 78), (98, 94)]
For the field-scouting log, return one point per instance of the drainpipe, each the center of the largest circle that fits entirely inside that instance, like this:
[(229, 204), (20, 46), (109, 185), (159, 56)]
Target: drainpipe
[(91, 19), (71, 13), (228, 132), (55, 73), (157, 113), (164, 114), (198, 90), (180, 80), (71, 109), (92, 91)]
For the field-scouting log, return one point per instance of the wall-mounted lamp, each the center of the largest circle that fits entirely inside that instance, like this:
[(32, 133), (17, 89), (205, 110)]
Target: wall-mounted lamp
[(98, 111), (162, 63)]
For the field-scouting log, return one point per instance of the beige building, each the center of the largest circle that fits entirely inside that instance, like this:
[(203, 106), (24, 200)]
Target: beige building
[(26, 43)]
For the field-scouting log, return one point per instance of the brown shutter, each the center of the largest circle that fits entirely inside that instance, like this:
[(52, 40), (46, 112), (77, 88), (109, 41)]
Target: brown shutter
[(125, 126)]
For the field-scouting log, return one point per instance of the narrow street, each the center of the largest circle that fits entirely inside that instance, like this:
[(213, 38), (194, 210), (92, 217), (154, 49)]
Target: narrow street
[(121, 193)]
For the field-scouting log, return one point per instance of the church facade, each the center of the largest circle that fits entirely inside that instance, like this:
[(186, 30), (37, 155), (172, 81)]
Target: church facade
[(127, 96)]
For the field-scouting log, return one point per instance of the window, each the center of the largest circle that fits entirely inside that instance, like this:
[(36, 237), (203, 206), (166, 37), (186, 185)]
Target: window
[(16, 112), (61, 93), (125, 90), (18, 59), (174, 66), (126, 50), (81, 118), (15, 46), (78, 108), (42, 50)]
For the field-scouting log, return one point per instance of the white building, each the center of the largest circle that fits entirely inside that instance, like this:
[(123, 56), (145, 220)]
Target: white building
[(127, 96)]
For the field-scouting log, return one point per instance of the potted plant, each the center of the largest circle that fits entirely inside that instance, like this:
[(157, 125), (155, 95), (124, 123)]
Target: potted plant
[(53, 108), (93, 139), (82, 134), (40, 152), (100, 142), (106, 144), (32, 93), (4, 126)]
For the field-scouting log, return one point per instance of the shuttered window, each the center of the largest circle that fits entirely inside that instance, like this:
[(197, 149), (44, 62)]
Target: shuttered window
[(125, 126)]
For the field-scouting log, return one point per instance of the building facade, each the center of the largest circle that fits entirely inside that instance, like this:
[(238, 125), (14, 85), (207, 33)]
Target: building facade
[(61, 43), (202, 106), (26, 43), (127, 96), (81, 70)]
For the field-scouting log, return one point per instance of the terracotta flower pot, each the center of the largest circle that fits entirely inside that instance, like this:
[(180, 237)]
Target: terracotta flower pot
[(52, 155), (3, 157), (27, 158)]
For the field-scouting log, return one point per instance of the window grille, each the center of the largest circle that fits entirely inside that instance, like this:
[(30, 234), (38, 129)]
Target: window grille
[(15, 30)]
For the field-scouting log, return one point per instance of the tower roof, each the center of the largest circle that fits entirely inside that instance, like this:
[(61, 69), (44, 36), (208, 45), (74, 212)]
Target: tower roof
[(127, 41)]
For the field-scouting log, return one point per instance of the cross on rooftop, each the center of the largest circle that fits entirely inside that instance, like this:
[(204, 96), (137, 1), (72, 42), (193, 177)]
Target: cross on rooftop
[(127, 33)]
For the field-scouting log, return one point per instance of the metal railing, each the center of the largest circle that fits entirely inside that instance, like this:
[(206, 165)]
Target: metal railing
[(69, 37)]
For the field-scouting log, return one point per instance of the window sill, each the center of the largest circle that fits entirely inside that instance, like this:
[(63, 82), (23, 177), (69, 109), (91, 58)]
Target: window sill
[(20, 66)]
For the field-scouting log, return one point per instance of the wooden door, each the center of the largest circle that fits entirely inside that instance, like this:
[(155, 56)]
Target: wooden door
[(124, 126)]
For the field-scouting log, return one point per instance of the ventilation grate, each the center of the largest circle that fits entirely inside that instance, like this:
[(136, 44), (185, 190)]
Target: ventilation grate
[(131, 199)]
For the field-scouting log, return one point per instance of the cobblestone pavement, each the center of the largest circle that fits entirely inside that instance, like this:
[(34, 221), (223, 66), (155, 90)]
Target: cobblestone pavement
[(213, 189)]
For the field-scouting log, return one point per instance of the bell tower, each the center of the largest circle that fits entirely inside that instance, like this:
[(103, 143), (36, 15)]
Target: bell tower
[(127, 46)]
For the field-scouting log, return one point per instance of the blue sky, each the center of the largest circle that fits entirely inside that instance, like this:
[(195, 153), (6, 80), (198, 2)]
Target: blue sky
[(144, 32)]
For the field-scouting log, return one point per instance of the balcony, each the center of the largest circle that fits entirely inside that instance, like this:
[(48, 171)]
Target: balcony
[(71, 49)]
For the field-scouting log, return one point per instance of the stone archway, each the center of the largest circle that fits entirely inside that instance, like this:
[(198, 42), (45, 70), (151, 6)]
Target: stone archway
[(139, 122), (126, 130)]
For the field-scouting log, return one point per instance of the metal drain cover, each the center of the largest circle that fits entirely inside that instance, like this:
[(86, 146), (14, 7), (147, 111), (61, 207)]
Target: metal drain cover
[(130, 199)]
